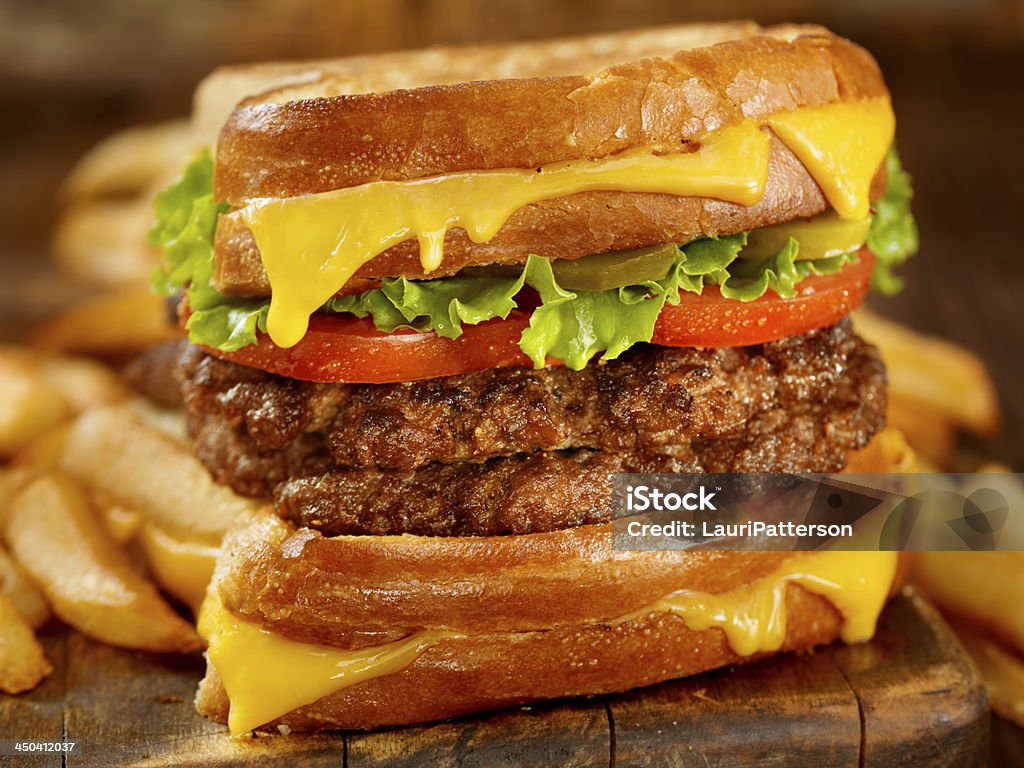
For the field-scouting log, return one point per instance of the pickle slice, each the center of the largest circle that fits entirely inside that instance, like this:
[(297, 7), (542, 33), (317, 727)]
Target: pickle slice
[(820, 238), (603, 271)]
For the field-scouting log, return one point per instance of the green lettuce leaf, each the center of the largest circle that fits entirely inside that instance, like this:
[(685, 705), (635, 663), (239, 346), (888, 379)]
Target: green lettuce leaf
[(572, 326), (440, 305), (186, 216), (893, 235)]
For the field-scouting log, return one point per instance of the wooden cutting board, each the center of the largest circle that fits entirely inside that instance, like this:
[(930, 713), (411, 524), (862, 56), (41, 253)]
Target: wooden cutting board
[(908, 698)]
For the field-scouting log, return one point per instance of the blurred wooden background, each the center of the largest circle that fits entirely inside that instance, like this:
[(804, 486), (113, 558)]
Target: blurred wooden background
[(72, 71)]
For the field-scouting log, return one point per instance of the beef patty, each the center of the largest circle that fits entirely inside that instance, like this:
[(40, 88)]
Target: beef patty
[(515, 451)]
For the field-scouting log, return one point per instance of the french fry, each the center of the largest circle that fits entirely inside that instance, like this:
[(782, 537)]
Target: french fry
[(1001, 671), (931, 436), (56, 537), (12, 479), (22, 663), (985, 587), (114, 451), (38, 392), (16, 587), (127, 320), (888, 451), (169, 422), (182, 568), (103, 242), (132, 160), (28, 407), (122, 524), (944, 379), (43, 451), (83, 383)]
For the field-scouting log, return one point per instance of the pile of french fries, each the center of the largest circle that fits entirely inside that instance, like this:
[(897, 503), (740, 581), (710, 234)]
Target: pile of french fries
[(937, 390), (101, 500), (100, 238)]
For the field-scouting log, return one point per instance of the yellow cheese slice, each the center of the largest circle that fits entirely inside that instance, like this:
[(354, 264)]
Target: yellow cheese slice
[(753, 617), (266, 676), (842, 146)]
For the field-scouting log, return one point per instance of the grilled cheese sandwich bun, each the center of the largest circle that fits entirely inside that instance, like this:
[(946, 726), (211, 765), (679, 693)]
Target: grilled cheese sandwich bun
[(361, 632)]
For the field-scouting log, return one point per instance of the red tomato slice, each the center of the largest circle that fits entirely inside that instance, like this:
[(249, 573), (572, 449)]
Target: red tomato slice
[(710, 320), (346, 349)]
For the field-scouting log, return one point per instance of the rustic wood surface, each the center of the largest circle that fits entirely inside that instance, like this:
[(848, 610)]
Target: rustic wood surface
[(908, 698)]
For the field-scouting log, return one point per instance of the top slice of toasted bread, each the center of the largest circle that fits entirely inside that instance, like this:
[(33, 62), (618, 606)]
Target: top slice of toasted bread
[(278, 82), (334, 124)]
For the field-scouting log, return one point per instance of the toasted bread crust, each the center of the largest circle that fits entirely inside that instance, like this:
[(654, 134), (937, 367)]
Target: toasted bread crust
[(540, 616), (339, 590), (282, 81), (317, 145)]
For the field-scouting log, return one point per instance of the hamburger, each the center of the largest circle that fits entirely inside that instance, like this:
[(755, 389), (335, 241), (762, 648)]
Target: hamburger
[(436, 300)]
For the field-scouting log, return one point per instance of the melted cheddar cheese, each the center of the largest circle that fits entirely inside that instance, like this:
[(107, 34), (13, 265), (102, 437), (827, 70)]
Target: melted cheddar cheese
[(266, 676), (753, 617), (842, 146), (312, 245)]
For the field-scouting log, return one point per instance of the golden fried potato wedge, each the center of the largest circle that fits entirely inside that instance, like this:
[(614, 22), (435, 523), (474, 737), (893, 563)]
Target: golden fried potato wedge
[(114, 451), (127, 320), (38, 392), (122, 524), (28, 406), (83, 383), (888, 451), (22, 663), (944, 379), (181, 567), (932, 436), (12, 479), (58, 539), (985, 587), (16, 587), (103, 242), (169, 422), (132, 160), (43, 451), (1001, 671)]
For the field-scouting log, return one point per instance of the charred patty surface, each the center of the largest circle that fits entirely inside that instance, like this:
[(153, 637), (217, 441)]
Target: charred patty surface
[(517, 451)]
